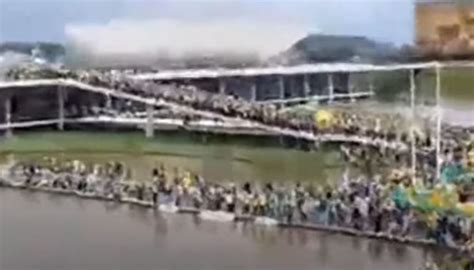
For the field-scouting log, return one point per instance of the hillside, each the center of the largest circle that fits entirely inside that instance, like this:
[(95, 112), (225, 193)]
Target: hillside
[(310, 49), (333, 48)]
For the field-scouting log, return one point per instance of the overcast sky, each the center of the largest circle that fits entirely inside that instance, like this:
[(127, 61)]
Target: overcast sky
[(46, 20)]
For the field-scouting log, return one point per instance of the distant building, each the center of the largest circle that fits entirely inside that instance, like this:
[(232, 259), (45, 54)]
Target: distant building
[(445, 28)]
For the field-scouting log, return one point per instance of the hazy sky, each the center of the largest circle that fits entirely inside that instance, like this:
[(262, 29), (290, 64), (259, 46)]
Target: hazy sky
[(46, 20)]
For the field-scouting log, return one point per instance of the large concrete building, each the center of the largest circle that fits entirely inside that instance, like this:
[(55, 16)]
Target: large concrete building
[(279, 85), (445, 27)]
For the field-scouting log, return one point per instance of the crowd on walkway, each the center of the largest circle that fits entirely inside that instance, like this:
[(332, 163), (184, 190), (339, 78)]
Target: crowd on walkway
[(342, 122), (449, 262), (387, 127), (360, 204), (345, 121)]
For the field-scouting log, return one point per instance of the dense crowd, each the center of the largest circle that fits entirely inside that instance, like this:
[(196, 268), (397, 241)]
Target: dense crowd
[(456, 141), (366, 204), (360, 204), (345, 122), (449, 262)]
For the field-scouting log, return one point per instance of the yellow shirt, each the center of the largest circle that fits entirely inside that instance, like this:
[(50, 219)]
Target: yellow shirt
[(187, 182)]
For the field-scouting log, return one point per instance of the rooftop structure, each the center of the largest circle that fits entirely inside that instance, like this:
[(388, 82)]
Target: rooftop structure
[(289, 84)]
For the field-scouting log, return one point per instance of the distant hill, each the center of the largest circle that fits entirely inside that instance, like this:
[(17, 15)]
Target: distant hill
[(51, 52), (310, 49), (334, 48)]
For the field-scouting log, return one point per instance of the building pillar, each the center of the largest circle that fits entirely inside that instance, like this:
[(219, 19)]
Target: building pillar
[(331, 88), (253, 90), (371, 84), (108, 103), (306, 85), (60, 108), (281, 90), (149, 128), (281, 87), (350, 88), (8, 118), (222, 86)]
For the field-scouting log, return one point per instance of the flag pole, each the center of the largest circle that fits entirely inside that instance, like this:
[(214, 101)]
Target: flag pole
[(412, 126), (438, 121)]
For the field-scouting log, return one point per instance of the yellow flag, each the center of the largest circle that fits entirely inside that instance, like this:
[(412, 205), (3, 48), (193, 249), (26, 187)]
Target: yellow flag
[(436, 198), (323, 118), (466, 208)]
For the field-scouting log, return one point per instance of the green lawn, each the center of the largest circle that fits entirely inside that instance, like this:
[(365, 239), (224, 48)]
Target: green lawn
[(220, 158)]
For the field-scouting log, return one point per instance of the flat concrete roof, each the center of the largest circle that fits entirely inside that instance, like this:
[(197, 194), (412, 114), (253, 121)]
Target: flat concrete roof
[(291, 70)]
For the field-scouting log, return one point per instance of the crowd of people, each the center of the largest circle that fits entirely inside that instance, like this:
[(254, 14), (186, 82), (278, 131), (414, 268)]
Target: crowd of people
[(361, 205), (455, 142), (232, 106), (449, 262), (366, 204)]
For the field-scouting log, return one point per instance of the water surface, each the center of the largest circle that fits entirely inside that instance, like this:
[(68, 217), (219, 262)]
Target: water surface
[(46, 231)]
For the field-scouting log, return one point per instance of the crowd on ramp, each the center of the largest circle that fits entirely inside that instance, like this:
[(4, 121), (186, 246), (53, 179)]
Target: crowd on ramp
[(367, 127)]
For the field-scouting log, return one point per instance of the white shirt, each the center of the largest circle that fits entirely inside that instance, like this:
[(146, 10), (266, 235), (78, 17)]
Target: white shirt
[(228, 198), (363, 206), (377, 125)]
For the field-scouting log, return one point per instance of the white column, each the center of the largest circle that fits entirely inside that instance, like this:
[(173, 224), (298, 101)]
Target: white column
[(253, 90), (222, 86), (412, 127), (438, 121), (350, 88), (108, 103), (8, 117), (306, 85), (60, 108), (371, 83), (149, 128), (331, 88), (281, 87)]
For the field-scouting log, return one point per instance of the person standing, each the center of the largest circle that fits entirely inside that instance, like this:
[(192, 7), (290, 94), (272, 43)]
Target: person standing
[(154, 187)]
